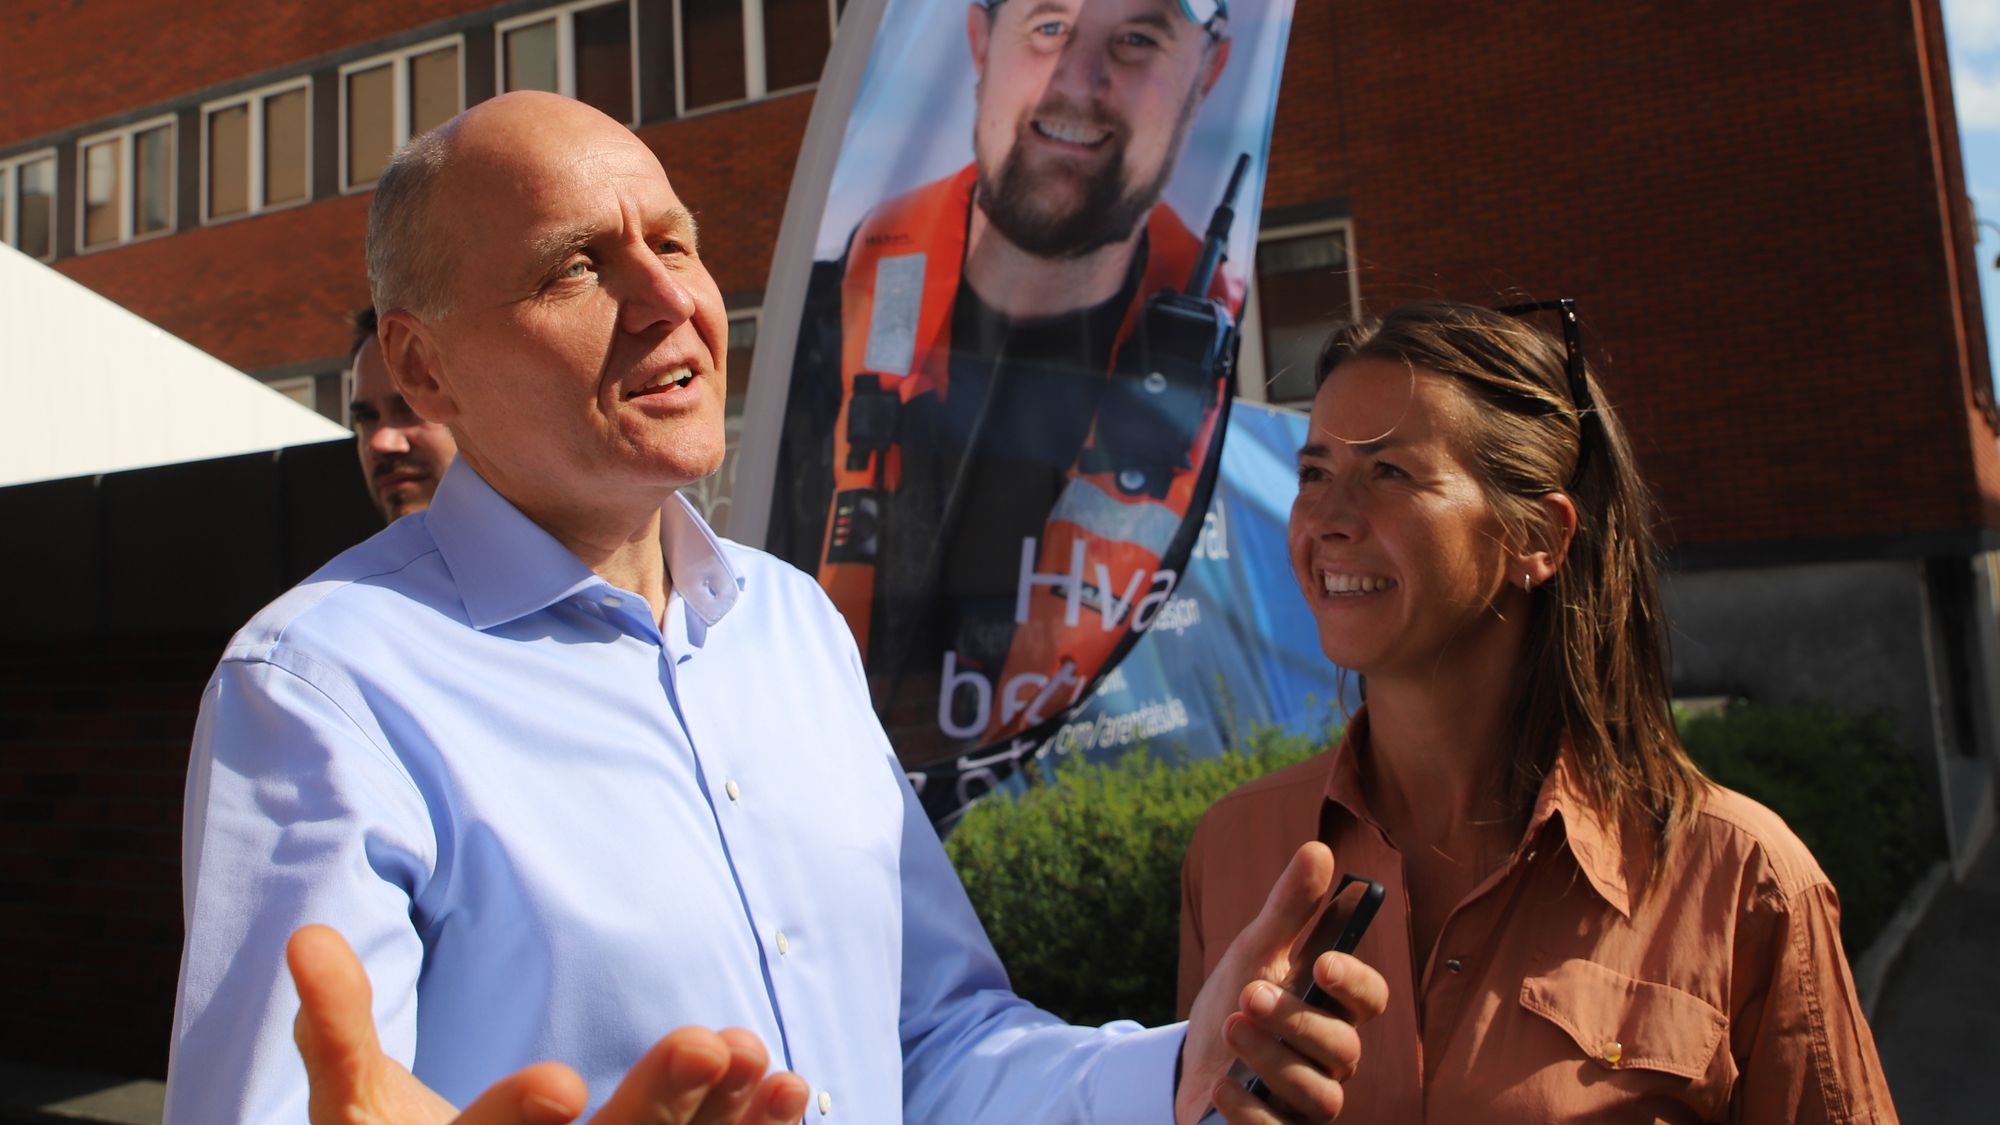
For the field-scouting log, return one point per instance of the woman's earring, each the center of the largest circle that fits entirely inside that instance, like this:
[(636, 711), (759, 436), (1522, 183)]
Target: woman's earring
[(1527, 581)]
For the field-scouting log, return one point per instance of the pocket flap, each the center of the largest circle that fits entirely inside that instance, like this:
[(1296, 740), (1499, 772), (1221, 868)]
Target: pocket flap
[(1622, 1022)]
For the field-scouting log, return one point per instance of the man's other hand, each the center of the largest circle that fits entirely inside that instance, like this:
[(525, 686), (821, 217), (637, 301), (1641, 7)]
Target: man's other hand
[(692, 1077), (1303, 1054)]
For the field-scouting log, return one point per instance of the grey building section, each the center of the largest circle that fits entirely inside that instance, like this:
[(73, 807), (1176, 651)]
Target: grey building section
[(1916, 638)]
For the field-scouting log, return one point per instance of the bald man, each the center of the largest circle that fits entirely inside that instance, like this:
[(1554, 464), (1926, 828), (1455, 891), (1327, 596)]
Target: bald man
[(570, 773)]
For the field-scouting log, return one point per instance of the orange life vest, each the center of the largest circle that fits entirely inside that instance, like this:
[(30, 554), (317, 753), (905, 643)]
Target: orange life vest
[(903, 269)]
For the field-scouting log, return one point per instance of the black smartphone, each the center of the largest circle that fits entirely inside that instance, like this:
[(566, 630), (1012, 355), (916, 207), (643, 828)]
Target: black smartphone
[(1348, 911)]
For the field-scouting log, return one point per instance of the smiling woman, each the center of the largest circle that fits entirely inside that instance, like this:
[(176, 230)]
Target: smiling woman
[(1589, 929)]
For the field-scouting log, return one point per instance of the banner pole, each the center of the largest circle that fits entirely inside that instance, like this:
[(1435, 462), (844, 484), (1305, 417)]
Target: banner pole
[(791, 269)]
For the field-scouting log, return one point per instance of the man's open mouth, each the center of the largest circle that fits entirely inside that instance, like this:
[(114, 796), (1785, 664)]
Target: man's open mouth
[(665, 380), (1071, 132)]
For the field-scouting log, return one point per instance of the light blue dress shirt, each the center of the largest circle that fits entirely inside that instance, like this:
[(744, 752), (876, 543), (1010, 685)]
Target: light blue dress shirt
[(553, 830)]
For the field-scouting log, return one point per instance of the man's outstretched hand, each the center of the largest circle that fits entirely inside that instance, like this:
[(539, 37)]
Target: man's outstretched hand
[(692, 1077), (1303, 1054)]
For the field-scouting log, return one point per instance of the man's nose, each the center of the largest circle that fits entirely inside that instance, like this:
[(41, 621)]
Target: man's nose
[(1081, 74), (655, 294), (389, 440)]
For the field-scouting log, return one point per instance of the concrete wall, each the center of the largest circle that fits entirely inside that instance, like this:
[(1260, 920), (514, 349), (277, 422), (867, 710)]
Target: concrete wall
[(1914, 638)]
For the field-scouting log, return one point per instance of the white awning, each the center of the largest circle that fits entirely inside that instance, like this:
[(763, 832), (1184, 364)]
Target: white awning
[(87, 387)]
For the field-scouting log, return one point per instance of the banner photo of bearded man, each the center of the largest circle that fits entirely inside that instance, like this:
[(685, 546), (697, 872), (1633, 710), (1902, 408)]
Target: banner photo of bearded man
[(1012, 371)]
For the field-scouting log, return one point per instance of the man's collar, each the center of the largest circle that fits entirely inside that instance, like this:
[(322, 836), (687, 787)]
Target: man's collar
[(1610, 861), (506, 567)]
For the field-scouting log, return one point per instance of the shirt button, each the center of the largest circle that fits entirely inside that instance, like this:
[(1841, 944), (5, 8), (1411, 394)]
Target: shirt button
[(784, 945), (825, 1103), (1613, 1051), (611, 601), (1454, 965), (708, 584), (735, 793)]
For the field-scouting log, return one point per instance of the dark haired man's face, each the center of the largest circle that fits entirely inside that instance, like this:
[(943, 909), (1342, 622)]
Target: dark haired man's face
[(402, 456), (1083, 107)]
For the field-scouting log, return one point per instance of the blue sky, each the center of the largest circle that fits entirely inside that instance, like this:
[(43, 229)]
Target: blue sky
[(1972, 31)]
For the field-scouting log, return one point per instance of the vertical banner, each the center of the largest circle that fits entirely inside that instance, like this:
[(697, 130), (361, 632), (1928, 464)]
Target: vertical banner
[(1017, 297)]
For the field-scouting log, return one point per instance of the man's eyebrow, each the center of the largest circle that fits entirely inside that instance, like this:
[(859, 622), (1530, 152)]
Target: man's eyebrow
[(552, 246), (680, 220), (1046, 7), (1159, 21)]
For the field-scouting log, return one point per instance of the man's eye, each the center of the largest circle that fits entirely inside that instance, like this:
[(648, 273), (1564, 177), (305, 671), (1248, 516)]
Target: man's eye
[(1135, 41), (672, 246), (576, 269), (1049, 29), (1392, 472), (1310, 473)]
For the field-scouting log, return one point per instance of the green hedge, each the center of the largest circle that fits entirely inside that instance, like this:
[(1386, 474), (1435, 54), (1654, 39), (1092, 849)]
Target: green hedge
[(1844, 783), (1078, 880)]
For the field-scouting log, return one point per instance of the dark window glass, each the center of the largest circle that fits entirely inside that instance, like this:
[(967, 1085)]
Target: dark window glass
[(797, 35), (35, 214), (103, 192), (1302, 293), (371, 125), (434, 96), (742, 350), (604, 59), (229, 161), (712, 52), (531, 57), (285, 147), (153, 169)]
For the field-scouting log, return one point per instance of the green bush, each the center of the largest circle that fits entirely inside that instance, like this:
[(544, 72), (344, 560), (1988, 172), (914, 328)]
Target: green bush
[(1844, 783), (1078, 880)]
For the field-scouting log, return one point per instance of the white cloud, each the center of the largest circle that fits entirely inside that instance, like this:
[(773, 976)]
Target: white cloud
[(1975, 91), (1972, 26)]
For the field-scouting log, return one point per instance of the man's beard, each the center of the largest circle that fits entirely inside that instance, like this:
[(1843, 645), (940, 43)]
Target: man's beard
[(1106, 211)]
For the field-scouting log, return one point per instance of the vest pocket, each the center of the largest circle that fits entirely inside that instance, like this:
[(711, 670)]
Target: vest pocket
[(1624, 1024)]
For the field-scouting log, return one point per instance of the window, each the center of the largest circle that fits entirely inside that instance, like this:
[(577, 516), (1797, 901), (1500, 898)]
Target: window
[(28, 204), (385, 101), (256, 151), (726, 57), (127, 184), (583, 51), (1304, 288), (299, 388)]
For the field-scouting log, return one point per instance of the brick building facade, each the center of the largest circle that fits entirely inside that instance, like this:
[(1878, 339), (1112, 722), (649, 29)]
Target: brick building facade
[(1759, 208)]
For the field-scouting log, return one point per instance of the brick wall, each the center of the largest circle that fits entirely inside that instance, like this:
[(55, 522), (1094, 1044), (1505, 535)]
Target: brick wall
[(71, 63), (1746, 201)]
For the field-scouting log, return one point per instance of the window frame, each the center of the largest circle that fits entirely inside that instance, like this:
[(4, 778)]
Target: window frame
[(1252, 377), (255, 99), (755, 85), (10, 199), (565, 19), (128, 167), (399, 97)]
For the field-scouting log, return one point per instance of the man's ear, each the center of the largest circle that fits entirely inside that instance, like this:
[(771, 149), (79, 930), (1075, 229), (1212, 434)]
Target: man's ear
[(978, 29), (1218, 57), (411, 352), (1549, 540)]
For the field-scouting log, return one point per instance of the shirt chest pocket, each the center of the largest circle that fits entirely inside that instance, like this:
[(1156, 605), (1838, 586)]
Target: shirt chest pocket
[(1660, 1041)]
